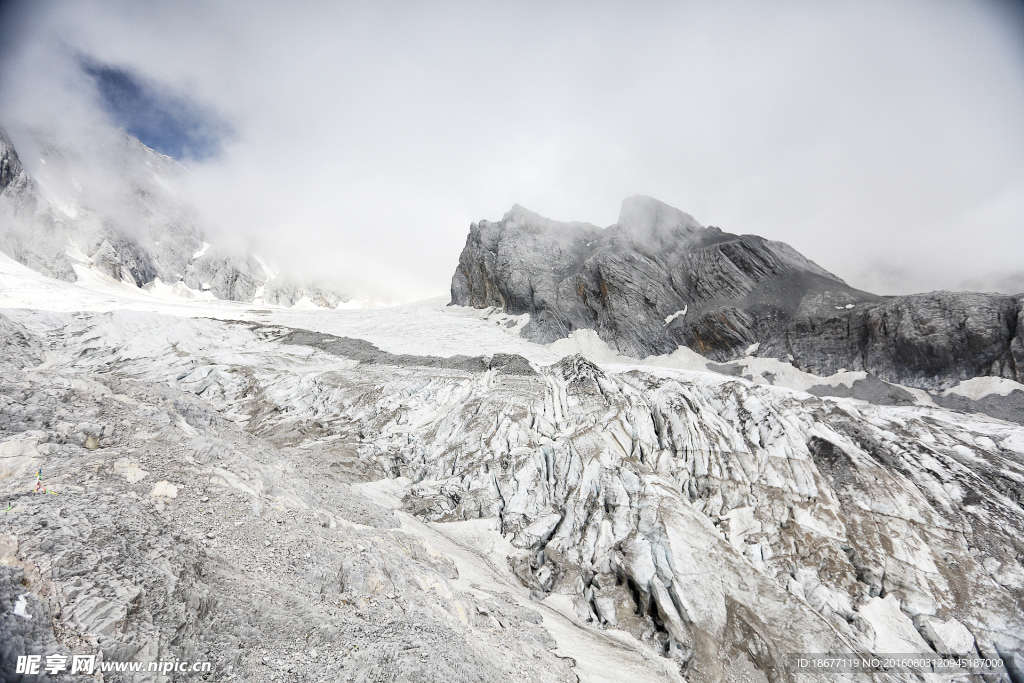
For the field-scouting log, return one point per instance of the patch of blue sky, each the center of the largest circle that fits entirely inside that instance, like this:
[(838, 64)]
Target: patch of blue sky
[(170, 123)]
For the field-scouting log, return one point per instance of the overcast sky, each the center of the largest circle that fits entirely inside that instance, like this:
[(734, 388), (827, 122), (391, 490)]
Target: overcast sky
[(357, 141)]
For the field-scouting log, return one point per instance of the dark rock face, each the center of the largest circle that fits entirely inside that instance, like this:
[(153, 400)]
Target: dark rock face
[(932, 341), (10, 165), (657, 280), (28, 232), (653, 281), (226, 276)]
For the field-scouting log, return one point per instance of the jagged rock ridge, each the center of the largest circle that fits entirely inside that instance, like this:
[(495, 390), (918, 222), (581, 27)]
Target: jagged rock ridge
[(657, 280)]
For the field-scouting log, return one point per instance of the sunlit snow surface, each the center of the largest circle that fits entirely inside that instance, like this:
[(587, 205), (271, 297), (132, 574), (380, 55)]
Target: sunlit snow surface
[(424, 328)]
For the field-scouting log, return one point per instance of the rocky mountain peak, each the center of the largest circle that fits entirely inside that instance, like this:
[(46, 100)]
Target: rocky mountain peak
[(649, 221), (658, 280), (519, 218), (522, 215), (10, 165)]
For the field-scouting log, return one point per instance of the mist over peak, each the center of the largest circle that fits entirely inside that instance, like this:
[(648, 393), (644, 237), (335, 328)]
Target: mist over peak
[(648, 219)]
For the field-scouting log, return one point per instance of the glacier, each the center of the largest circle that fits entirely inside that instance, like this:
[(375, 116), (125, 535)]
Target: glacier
[(419, 493)]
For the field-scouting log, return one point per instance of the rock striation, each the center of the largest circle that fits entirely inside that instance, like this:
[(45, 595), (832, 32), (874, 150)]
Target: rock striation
[(657, 280)]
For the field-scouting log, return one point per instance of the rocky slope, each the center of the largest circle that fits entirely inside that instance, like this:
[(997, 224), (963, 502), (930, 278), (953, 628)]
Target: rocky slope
[(295, 505), (173, 532), (117, 209), (657, 280)]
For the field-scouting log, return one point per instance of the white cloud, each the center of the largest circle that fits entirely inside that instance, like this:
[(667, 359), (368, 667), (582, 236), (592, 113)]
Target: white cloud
[(368, 136)]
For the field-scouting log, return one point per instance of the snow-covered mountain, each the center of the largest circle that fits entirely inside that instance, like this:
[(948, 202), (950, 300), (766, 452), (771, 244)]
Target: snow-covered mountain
[(657, 280), (117, 209)]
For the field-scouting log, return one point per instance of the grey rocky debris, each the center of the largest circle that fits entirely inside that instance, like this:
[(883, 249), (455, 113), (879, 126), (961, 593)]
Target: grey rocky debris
[(364, 352), (1008, 407), (657, 280), (870, 389), (130, 222)]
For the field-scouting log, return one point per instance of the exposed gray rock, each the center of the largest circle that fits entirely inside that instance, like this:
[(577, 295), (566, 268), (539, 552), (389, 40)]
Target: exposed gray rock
[(30, 230), (1009, 407), (870, 389), (225, 275), (657, 280), (931, 341), (281, 291), (633, 281), (12, 173), (365, 352)]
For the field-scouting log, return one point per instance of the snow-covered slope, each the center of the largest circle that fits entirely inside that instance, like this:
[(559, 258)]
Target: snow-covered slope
[(414, 493), (118, 208)]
